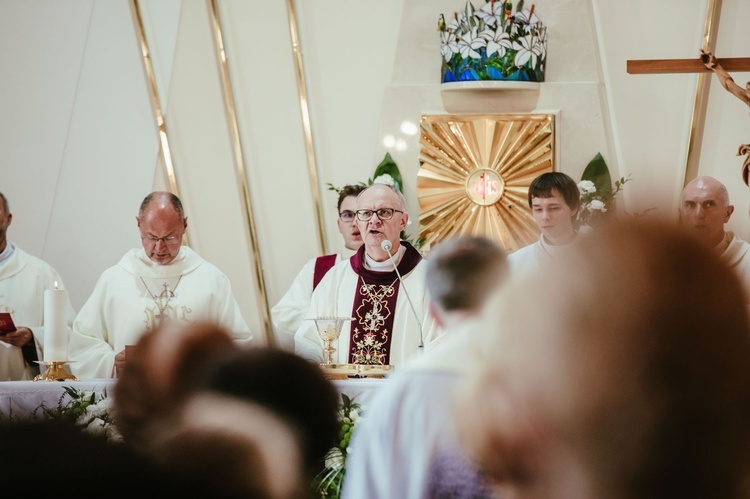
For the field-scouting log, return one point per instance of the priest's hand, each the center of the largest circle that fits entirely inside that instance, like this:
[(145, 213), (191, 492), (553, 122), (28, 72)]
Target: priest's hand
[(19, 337), (119, 362)]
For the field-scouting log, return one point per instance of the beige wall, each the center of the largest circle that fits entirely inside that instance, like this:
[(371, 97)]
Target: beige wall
[(79, 147)]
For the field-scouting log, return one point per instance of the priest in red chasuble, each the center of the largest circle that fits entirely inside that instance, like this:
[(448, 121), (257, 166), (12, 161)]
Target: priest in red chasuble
[(390, 315)]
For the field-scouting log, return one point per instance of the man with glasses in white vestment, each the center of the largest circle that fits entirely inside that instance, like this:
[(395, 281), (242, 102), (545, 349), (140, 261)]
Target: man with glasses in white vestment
[(389, 309), (163, 280)]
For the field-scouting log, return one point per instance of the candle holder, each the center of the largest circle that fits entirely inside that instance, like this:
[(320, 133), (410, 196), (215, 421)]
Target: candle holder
[(54, 372), (329, 330)]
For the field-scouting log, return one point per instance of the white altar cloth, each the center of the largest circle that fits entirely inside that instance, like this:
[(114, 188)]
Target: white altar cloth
[(22, 398)]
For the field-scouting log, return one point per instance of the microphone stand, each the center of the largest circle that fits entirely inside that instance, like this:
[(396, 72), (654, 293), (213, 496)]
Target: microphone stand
[(386, 246)]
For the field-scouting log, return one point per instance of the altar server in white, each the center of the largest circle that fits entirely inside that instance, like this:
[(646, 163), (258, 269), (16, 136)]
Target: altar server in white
[(704, 210), (288, 313), (554, 199), (391, 320), (23, 280), (163, 280), (407, 446)]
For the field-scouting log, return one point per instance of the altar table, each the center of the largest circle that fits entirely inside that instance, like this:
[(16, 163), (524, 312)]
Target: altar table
[(22, 398)]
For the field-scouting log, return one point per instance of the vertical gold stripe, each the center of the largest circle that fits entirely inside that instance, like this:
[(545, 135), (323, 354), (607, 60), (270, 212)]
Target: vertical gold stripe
[(239, 161), (166, 153), (701, 93), (310, 147)]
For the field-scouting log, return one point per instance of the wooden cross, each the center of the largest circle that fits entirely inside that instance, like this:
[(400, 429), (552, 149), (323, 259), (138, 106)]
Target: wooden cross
[(666, 66), (704, 64)]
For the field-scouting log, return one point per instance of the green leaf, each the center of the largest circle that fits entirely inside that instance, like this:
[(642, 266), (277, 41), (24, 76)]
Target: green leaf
[(598, 172), (389, 166)]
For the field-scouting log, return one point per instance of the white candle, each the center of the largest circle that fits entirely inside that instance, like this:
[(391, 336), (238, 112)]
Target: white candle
[(55, 325)]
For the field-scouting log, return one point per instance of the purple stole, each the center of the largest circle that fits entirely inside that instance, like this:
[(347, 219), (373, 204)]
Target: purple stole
[(374, 308), (322, 265)]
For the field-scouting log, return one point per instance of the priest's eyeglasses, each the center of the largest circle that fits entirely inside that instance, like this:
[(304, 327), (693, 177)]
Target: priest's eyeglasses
[(382, 213), (165, 240), (347, 215)]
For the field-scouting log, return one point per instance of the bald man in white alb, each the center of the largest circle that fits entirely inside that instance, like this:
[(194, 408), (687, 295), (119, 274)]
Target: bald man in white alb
[(704, 210)]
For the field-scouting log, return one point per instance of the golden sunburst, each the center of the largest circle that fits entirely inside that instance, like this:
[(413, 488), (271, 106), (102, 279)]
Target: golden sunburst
[(474, 175)]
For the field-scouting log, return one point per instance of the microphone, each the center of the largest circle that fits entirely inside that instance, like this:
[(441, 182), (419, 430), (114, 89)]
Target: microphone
[(386, 246)]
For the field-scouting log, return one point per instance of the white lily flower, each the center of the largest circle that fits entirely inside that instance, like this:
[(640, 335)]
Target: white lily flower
[(334, 459), (448, 45), (96, 427), (540, 42), (470, 43), (522, 25), (586, 187), (526, 17), (385, 179), (457, 22), (525, 54), (497, 42), (597, 205), (492, 16)]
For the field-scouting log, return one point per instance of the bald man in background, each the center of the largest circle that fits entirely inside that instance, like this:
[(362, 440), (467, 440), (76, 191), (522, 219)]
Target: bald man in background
[(23, 280), (162, 280), (704, 210)]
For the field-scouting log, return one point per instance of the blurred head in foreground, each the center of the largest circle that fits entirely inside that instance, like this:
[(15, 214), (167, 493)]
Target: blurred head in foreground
[(622, 373), (288, 386), (165, 367), (227, 447)]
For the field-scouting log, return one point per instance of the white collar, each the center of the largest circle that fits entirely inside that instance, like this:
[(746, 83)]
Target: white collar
[(136, 262), (386, 265), (7, 252)]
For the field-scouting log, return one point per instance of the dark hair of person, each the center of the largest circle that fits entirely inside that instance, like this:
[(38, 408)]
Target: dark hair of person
[(291, 387), (544, 184), (145, 394), (102, 462), (6, 207), (349, 190)]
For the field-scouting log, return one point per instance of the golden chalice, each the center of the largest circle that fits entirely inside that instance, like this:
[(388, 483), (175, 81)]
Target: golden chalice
[(329, 330)]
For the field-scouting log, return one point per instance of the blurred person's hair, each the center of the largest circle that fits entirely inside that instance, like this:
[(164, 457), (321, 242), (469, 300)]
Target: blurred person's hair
[(349, 190), (642, 342), (86, 462), (291, 387), (227, 447), (162, 369)]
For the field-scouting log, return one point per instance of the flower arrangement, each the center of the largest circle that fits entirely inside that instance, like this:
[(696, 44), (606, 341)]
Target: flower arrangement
[(87, 410), (328, 482), (492, 43), (597, 197)]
